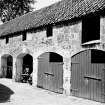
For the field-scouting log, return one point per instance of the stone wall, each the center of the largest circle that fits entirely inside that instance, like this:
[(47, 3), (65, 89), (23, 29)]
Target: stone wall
[(66, 41), (102, 32)]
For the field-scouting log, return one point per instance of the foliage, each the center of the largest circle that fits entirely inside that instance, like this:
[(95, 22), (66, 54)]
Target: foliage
[(10, 9)]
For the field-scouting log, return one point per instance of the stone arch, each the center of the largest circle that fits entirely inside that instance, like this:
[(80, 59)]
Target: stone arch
[(50, 72), (24, 63), (37, 54), (53, 54), (82, 50), (7, 65)]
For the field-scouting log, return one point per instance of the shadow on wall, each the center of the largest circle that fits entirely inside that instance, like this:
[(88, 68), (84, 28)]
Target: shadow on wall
[(5, 93)]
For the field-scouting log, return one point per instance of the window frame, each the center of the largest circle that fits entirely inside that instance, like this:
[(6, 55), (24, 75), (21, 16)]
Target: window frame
[(7, 40), (49, 31), (96, 37), (24, 36)]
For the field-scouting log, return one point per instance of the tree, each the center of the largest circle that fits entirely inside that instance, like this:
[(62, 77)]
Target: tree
[(10, 9)]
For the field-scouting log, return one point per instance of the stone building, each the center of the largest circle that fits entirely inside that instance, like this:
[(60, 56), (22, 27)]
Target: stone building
[(47, 42)]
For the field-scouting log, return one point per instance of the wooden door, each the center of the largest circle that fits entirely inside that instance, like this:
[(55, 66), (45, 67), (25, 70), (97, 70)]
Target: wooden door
[(78, 69), (50, 73), (42, 69), (56, 77), (9, 72), (87, 75)]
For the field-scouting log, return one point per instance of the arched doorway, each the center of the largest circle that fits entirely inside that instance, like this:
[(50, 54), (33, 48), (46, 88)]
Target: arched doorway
[(7, 65), (88, 75), (24, 67), (50, 72)]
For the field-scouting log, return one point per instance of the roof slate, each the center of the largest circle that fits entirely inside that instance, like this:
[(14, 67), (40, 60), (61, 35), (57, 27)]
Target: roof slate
[(60, 11)]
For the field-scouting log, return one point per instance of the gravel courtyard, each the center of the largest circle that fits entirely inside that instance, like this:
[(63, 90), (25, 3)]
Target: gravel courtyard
[(12, 93)]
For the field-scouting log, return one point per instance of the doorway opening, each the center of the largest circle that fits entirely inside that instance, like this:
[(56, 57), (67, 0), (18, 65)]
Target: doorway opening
[(7, 66), (50, 72), (24, 68)]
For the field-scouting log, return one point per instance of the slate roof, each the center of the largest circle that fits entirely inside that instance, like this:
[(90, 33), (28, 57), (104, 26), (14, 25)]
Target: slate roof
[(60, 11)]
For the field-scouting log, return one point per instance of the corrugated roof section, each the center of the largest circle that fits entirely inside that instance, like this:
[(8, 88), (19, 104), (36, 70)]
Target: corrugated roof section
[(61, 11)]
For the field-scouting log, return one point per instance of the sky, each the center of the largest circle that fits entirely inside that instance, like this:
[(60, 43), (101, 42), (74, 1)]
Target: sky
[(43, 3)]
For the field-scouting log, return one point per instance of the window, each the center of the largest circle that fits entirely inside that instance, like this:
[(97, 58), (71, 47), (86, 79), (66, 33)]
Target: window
[(49, 31), (7, 40), (90, 28), (24, 36)]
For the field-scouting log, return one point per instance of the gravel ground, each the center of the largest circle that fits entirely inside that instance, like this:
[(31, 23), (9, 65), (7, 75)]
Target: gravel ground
[(12, 93)]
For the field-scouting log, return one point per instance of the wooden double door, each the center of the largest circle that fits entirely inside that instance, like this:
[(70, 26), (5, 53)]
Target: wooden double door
[(50, 72), (88, 75)]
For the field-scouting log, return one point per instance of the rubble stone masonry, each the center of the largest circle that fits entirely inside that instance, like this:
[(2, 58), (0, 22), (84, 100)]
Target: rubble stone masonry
[(66, 41)]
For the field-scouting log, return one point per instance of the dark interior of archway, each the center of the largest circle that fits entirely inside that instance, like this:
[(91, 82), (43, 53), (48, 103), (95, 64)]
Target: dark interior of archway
[(54, 57), (9, 67), (28, 63)]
